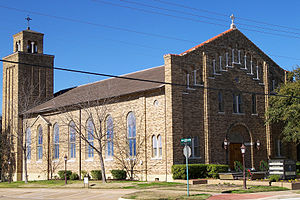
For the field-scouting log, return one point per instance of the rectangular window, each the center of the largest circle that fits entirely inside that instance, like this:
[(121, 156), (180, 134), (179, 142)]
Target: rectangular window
[(159, 146), (56, 151), (237, 103), (220, 102), (254, 111), (40, 152), (154, 146), (273, 87), (90, 149), (72, 150), (278, 147), (28, 151), (195, 147)]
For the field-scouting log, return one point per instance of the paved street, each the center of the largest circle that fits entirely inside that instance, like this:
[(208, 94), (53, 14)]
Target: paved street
[(114, 194), (74, 194)]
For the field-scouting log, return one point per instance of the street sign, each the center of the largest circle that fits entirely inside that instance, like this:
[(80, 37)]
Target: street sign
[(187, 152), (185, 141)]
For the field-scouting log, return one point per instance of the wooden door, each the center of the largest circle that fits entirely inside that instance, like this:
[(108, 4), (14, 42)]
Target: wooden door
[(235, 154)]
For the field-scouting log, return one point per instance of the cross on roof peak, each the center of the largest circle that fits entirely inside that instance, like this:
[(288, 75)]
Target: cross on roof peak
[(232, 25), (28, 20)]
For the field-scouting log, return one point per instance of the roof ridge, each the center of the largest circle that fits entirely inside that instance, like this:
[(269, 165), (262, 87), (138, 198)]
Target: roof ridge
[(207, 41), (119, 76)]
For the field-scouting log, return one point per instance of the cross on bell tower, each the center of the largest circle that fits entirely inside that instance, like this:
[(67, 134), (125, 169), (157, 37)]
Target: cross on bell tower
[(28, 20), (232, 25)]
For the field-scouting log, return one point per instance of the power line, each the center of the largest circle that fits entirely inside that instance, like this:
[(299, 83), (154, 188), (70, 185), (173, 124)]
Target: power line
[(120, 29), (196, 9), (147, 80), (191, 19), (202, 16), (97, 24), (221, 14), (158, 13)]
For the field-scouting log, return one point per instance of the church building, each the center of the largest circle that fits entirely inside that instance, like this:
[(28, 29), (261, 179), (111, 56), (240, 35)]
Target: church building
[(214, 93)]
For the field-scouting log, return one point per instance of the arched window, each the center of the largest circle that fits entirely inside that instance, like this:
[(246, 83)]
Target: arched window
[(131, 134), (110, 137), (159, 146), (28, 144), (90, 139), (72, 141), (56, 141), (154, 146), (40, 143)]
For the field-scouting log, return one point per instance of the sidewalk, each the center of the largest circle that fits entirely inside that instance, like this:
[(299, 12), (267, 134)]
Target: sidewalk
[(291, 195)]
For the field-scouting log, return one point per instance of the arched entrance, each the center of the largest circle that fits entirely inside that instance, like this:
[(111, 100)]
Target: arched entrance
[(237, 135)]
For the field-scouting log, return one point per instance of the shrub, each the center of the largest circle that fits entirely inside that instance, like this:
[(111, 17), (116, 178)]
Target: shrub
[(214, 170), (274, 178), (238, 167), (298, 167), (96, 174), (263, 166), (118, 174), (61, 174), (74, 176), (198, 170)]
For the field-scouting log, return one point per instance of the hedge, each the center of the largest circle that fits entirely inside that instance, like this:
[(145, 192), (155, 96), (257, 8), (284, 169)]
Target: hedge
[(74, 176), (96, 174), (298, 167), (118, 174), (213, 170), (198, 171), (61, 174)]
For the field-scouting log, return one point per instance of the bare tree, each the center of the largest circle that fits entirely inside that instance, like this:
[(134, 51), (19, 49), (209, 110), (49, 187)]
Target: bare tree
[(7, 155), (91, 132), (129, 147)]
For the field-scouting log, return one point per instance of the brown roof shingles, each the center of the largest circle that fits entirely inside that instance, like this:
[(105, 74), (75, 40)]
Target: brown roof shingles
[(108, 88)]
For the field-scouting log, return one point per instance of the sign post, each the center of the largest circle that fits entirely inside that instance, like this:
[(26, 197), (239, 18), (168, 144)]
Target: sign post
[(187, 153)]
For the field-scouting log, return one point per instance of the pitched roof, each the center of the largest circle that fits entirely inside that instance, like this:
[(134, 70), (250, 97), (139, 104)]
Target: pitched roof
[(107, 88), (207, 41)]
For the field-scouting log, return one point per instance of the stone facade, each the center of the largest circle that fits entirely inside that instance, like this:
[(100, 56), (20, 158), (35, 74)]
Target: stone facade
[(24, 86), (217, 92)]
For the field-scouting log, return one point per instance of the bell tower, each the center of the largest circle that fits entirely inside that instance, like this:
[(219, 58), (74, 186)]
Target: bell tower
[(26, 83)]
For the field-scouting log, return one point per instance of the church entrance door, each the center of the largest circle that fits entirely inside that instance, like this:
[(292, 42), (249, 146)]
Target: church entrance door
[(235, 154)]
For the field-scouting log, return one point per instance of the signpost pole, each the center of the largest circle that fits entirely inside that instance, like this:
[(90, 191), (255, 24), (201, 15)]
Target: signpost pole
[(187, 169), (187, 153)]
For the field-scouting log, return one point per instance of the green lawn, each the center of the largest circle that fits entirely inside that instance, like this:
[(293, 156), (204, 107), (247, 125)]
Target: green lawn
[(43, 183), (159, 195), (93, 184), (151, 185), (253, 189)]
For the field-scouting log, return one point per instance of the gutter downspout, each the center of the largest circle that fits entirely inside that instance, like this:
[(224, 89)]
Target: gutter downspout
[(166, 136), (48, 165), (146, 161)]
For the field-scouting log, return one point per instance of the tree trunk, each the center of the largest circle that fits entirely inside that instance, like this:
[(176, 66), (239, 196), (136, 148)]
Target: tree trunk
[(102, 167), (25, 165)]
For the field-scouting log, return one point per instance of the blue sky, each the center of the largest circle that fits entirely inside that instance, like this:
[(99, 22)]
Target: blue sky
[(92, 46)]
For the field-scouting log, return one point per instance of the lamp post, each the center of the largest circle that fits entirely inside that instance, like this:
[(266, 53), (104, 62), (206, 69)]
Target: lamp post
[(243, 150), (65, 169), (226, 145), (257, 144)]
